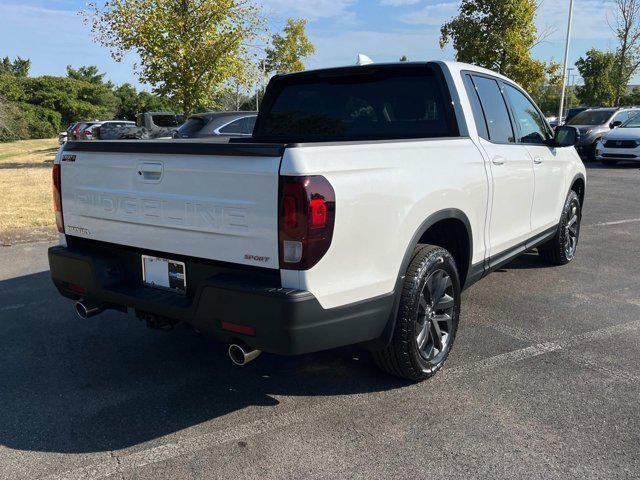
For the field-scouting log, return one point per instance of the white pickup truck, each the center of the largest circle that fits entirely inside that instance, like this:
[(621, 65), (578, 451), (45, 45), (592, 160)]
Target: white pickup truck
[(367, 198)]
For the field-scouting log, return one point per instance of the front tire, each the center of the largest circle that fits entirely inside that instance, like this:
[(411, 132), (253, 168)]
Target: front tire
[(561, 249), (427, 319)]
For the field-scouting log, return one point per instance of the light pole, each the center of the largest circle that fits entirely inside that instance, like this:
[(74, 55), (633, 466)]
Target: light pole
[(567, 97), (566, 59)]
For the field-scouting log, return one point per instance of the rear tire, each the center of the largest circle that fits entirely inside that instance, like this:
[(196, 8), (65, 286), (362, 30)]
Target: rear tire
[(427, 319), (561, 249)]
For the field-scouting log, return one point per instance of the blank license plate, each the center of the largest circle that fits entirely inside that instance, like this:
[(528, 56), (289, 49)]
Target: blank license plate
[(163, 273)]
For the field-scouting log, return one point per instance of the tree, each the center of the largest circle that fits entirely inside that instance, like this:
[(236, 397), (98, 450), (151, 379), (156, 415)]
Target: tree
[(127, 102), (597, 69), (188, 49), (499, 35), (632, 97), (626, 28), (88, 74), (404, 58), (287, 52), (547, 94), (13, 125), (18, 67), (130, 102)]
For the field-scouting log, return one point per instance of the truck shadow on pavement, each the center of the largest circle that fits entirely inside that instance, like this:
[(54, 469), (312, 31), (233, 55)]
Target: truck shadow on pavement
[(107, 383)]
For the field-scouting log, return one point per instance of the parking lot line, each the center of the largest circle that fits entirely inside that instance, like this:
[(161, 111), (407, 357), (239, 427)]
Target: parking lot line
[(119, 464), (617, 222)]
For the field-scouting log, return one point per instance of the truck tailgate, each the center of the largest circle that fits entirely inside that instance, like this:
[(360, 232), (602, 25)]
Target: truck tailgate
[(217, 202)]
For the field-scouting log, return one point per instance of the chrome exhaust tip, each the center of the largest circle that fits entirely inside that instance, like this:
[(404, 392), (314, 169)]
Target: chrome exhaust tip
[(86, 310), (241, 355)]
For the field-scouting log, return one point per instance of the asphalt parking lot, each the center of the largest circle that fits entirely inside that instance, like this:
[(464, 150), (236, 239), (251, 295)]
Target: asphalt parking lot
[(543, 382)]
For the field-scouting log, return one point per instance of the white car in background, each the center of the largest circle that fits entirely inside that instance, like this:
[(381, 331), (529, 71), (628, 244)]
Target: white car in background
[(621, 144)]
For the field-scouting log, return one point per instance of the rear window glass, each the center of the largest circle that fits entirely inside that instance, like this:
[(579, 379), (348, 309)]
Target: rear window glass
[(233, 127), (591, 117), (249, 123), (383, 103), (191, 126), (165, 120)]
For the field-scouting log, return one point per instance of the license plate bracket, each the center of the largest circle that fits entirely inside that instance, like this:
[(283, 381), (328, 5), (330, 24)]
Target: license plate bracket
[(164, 273)]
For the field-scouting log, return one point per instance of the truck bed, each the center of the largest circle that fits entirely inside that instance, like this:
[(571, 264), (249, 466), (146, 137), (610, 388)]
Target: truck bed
[(204, 199)]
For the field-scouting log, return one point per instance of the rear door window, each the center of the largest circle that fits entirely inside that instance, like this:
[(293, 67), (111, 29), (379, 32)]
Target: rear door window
[(495, 110), (357, 104), (478, 116)]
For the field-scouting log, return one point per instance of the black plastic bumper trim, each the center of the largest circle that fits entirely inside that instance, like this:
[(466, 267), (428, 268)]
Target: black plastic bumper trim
[(286, 321)]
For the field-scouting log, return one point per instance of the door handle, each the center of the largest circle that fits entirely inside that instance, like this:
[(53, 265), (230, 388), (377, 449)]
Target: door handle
[(538, 160), (497, 160)]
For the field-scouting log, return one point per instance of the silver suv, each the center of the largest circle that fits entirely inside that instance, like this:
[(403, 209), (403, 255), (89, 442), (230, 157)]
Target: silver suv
[(594, 123)]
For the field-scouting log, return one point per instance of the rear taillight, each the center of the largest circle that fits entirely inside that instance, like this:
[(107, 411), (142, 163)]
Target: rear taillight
[(307, 210), (57, 197)]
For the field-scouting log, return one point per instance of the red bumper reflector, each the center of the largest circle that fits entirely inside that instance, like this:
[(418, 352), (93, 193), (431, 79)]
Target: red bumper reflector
[(237, 328), (76, 288)]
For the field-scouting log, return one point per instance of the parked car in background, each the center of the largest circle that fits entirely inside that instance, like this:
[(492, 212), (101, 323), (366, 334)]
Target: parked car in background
[(553, 122), (594, 123), (223, 124), (621, 144), (110, 129), (74, 129), (83, 130), (572, 112), (154, 125), (65, 136)]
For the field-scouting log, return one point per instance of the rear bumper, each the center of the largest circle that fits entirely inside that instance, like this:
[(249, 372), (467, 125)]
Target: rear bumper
[(285, 321)]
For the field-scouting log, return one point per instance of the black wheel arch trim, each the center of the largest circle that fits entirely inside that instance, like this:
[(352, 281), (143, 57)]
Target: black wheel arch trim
[(472, 273), (579, 176)]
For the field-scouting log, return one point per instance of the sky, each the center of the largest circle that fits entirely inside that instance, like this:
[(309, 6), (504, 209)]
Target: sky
[(52, 34)]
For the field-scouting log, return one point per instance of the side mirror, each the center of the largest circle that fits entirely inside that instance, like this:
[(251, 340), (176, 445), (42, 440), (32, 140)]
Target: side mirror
[(566, 136), (615, 124)]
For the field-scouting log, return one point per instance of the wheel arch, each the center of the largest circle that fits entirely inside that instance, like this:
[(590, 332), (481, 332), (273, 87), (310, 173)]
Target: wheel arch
[(428, 232), (578, 185)]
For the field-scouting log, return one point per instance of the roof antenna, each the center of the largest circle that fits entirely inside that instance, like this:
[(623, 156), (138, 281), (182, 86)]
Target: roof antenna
[(363, 60)]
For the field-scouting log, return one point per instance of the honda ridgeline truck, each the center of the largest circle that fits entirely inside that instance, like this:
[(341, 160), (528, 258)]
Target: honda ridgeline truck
[(366, 200)]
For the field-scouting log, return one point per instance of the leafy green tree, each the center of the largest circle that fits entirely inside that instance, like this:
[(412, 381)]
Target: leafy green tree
[(499, 35), (631, 97), (287, 52), (149, 102), (13, 125), (43, 122), (72, 99), (547, 97), (598, 70), (88, 74), (127, 102), (188, 49), (18, 67)]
